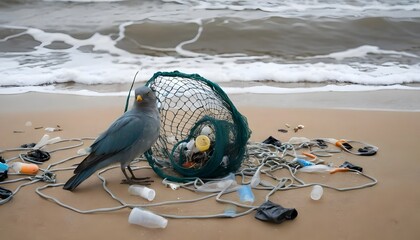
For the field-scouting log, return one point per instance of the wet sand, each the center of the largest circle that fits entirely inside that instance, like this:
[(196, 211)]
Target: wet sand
[(388, 210)]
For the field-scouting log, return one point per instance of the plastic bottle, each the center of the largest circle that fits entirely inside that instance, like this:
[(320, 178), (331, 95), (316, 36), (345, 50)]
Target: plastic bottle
[(25, 168), (315, 168), (146, 219), (218, 185), (142, 191), (317, 192), (245, 194), (303, 162)]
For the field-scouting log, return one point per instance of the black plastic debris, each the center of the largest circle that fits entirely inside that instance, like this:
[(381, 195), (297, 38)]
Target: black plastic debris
[(367, 151), (28, 145), (271, 212), (3, 176), (36, 156), (347, 145), (351, 166), (5, 193), (283, 130), (3, 169), (273, 141), (321, 143)]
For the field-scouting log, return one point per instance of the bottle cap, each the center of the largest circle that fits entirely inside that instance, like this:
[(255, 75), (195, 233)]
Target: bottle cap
[(202, 143), (317, 192)]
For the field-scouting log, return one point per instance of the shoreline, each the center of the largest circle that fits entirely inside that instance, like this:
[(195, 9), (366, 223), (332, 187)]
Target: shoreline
[(379, 100)]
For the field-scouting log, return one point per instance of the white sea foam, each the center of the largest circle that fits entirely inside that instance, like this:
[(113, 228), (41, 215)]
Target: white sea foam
[(361, 52), (84, 1), (304, 7), (229, 90), (108, 64), (103, 68)]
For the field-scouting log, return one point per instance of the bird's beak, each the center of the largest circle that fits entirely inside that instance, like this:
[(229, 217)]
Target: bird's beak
[(139, 98)]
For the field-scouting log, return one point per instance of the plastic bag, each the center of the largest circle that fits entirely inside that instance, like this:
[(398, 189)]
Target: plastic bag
[(271, 212)]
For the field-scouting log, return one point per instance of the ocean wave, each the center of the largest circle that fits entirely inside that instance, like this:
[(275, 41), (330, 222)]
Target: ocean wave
[(362, 52), (248, 43), (229, 90)]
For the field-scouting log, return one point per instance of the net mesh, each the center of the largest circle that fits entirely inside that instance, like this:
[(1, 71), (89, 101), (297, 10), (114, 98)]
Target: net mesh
[(191, 106)]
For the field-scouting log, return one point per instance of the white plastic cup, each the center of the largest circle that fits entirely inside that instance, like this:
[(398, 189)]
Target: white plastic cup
[(317, 192), (142, 191), (147, 219)]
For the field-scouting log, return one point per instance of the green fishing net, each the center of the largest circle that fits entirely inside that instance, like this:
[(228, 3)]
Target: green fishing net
[(202, 133)]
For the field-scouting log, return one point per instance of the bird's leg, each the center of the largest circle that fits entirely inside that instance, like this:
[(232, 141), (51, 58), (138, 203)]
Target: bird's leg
[(134, 179)]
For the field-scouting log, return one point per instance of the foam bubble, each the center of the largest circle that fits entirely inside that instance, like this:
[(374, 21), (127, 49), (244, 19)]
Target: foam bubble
[(84, 1), (362, 52)]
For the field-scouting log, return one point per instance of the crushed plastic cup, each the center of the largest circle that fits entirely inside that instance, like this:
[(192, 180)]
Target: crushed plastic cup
[(230, 210), (147, 219), (317, 192), (142, 191), (245, 194)]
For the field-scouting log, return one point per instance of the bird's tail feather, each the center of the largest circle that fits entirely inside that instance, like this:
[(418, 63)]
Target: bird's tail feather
[(78, 178)]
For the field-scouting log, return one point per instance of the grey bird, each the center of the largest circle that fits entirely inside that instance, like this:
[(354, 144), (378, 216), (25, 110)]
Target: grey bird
[(128, 137)]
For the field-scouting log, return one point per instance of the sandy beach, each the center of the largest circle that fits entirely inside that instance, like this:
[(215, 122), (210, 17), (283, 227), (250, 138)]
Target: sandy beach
[(388, 210)]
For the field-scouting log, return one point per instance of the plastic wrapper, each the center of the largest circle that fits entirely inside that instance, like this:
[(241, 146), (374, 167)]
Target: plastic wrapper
[(271, 212)]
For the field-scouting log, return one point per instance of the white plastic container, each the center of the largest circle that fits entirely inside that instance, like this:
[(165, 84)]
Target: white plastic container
[(317, 192), (206, 131), (142, 191), (146, 219), (25, 168)]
